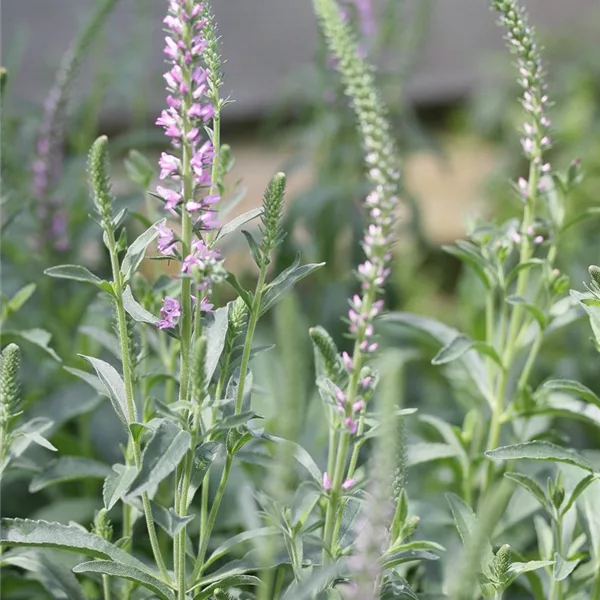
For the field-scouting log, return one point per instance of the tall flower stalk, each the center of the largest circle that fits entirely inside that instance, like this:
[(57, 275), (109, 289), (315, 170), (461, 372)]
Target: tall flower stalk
[(521, 42), (381, 204)]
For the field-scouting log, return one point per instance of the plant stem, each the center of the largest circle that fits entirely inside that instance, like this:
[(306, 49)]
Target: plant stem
[(129, 395), (212, 517), (105, 587), (596, 589), (254, 315)]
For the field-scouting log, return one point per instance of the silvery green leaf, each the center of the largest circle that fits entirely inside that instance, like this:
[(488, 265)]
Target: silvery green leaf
[(284, 283), (117, 483), (17, 301), (581, 486), (532, 309), (240, 538), (591, 306), (453, 350), (404, 556), (56, 578), (125, 571), (135, 253), (75, 273), (301, 456), (73, 538), (135, 310), (541, 450), (89, 378), (305, 498), (533, 565), (165, 450), (244, 294), (422, 452), (114, 387), (254, 247), (575, 388), (107, 340), (563, 567), (215, 331), (470, 360), (238, 222), (532, 487), (30, 433), (38, 337), (68, 468), (225, 584)]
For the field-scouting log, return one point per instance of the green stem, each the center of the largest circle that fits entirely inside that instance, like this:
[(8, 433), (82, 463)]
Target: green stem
[(596, 589), (556, 589), (254, 315), (130, 397), (105, 587), (212, 517)]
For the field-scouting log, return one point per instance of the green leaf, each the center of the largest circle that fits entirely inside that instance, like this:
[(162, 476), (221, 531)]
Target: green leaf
[(19, 299), (39, 337), (57, 579), (89, 378), (135, 253), (305, 498), (68, 468), (238, 222), (216, 333), (165, 450), (404, 556), (244, 294), (575, 388), (117, 569), (225, 584), (254, 247), (540, 450), (473, 260), (73, 272), (284, 282), (581, 486), (532, 309), (562, 567), (240, 538), (30, 433), (466, 522), (471, 361), (532, 487), (135, 310), (301, 456), (453, 350), (114, 387), (422, 452), (117, 483), (73, 538)]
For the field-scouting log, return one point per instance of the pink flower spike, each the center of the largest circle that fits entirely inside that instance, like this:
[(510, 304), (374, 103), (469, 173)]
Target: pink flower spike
[(348, 484), (347, 361), (326, 482)]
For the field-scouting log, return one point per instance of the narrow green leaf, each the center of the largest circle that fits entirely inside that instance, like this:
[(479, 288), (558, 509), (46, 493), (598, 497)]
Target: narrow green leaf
[(73, 538), (422, 452), (284, 282), (254, 247), (165, 450), (453, 350), (19, 299), (57, 579), (117, 483), (532, 487), (238, 222), (244, 294), (540, 450), (68, 468), (73, 272), (225, 584), (135, 253), (405, 556), (563, 567), (114, 387), (240, 538), (135, 310), (301, 456), (581, 486), (575, 388), (39, 337), (533, 565), (215, 331), (117, 569), (532, 309)]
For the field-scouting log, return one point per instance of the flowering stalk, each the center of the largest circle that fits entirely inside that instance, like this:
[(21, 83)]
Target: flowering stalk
[(521, 41), (47, 166), (10, 400), (381, 160), (193, 82), (100, 184)]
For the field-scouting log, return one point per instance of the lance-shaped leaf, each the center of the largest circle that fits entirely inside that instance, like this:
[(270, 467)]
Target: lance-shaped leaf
[(135, 253), (541, 450), (238, 222), (285, 281), (75, 273), (114, 387), (165, 450), (240, 538), (301, 456), (55, 577), (116, 569), (422, 452), (575, 388), (216, 332), (404, 556), (563, 567), (73, 538), (136, 311), (39, 337), (532, 487), (68, 468), (117, 483)]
